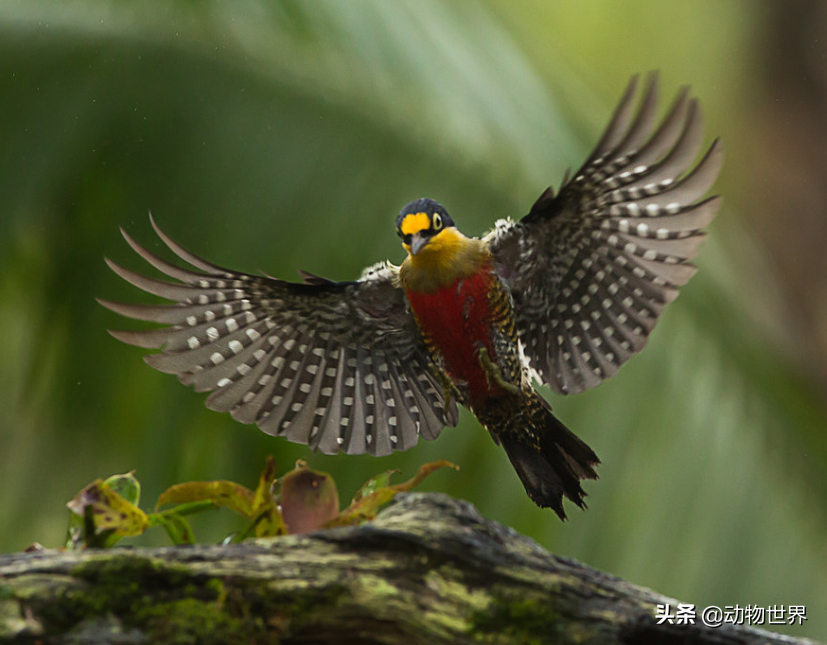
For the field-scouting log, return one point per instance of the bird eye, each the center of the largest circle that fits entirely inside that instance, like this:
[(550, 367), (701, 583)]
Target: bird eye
[(437, 221), (407, 239)]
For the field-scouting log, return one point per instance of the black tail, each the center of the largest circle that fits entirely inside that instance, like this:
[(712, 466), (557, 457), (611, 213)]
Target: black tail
[(553, 469)]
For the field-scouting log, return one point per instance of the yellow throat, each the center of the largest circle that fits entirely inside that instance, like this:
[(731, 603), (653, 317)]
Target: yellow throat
[(448, 256)]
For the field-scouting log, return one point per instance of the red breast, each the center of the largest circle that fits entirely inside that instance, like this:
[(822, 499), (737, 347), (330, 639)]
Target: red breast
[(457, 319)]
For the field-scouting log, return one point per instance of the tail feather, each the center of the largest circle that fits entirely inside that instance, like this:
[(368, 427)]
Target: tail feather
[(548, 457)]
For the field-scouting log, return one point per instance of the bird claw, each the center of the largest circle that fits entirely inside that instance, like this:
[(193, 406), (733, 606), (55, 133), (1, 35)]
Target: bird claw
[(493, 372), (448, 387)]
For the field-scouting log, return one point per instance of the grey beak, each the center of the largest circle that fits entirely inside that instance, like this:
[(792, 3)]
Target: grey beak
[(417, 243)]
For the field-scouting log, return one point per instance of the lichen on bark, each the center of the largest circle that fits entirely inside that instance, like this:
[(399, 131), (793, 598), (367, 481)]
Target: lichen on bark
[(428, 569)]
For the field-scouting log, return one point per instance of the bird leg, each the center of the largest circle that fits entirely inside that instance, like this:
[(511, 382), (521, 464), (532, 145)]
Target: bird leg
[(493, 373), (449, 390)]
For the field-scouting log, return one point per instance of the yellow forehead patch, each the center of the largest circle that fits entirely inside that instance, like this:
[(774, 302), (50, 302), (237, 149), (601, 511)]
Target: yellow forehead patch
[(414, 223)]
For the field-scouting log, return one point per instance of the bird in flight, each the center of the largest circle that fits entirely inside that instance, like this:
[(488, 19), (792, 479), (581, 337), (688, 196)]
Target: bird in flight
[(564, 296)]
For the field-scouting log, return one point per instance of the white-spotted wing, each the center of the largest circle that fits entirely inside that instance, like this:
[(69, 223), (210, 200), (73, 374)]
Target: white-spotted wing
[(338, 366), (591, 268)]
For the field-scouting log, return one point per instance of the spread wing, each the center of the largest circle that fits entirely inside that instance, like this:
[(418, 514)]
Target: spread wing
[(339, 366), (591, 268)]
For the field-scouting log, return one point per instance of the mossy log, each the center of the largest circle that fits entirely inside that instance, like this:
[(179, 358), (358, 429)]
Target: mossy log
[(429, 570)]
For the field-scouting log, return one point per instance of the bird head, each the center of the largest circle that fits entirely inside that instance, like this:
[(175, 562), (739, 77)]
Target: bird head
[(424, 226)]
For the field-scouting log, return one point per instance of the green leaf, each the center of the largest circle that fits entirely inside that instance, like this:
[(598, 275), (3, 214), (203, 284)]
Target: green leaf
[(221, 493), (104, 516), (267, 518), (126, 485), (374, 483), (365, 505), (258, 506), (177, 528)]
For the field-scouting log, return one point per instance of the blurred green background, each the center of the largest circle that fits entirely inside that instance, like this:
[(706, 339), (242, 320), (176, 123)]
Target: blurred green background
[(283, 134)]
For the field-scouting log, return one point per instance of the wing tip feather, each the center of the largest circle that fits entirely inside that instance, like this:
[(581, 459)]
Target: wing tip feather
[(147, 338)]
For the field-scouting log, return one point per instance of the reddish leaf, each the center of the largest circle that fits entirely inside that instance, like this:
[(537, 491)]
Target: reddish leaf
[(308, 498)]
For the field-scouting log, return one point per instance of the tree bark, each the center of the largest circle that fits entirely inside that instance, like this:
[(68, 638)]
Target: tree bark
[(428, 569)]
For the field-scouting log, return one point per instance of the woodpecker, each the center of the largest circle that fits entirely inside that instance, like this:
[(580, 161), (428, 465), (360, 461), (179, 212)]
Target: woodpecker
[(563, 297)]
